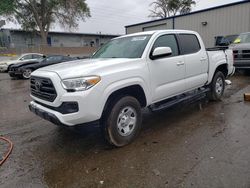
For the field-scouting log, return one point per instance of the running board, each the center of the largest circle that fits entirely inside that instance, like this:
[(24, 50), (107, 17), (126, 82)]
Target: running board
[(191, 96)]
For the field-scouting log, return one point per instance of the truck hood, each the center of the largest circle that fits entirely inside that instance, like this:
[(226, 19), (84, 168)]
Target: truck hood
[(80, 68), (240, 46)]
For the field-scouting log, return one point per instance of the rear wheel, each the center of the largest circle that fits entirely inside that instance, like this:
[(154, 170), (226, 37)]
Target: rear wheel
[(27, 73), (217, 87), (122, 123)]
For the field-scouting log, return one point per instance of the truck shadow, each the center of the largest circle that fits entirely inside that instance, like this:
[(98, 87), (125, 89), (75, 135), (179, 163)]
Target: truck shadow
[(86, 138)]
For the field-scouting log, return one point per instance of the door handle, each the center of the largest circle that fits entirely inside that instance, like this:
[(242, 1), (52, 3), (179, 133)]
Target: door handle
[(203, 59), (180, 63)]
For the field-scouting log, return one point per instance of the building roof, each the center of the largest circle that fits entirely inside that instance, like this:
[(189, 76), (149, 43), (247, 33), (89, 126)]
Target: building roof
[(195, 12), (66, 33)]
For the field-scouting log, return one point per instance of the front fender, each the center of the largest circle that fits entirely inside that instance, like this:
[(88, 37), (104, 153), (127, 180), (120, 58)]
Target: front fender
[(115, 86)]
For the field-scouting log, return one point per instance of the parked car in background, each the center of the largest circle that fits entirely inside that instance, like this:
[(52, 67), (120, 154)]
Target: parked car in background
[(24, 69), (225, 40), (4, 65), (241, 50)]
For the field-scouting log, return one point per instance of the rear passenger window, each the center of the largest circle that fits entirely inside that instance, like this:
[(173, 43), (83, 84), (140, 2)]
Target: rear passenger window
[(167, 41), (189, 44), (35, 56)]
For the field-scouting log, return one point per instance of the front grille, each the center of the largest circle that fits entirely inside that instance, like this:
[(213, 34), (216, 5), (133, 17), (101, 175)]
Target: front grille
[(43, 88), (241, 54), (246, 51), (13, 69)]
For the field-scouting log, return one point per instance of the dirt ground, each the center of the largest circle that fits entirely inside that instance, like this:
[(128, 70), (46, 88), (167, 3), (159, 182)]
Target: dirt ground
[(182, 147)]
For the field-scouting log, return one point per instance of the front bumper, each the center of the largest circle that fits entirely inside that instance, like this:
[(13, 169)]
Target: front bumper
[(55, 118), (242, 64), (14, 73), (45, 115), (90, 102)]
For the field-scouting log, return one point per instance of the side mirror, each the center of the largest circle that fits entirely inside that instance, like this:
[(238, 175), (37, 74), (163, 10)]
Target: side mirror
[(161, 52)]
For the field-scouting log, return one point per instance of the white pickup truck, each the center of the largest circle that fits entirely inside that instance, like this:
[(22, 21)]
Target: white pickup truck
[(150, 69)]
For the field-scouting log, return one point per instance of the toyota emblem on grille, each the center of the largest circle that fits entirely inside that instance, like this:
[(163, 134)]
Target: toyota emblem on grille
[(38, 85)]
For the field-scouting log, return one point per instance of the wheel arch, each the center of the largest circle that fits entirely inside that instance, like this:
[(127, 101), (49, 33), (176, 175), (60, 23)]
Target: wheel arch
[(134, 90), (222, 68)]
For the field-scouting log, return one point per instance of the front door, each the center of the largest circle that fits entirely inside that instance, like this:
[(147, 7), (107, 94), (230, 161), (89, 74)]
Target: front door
[(167, 73)]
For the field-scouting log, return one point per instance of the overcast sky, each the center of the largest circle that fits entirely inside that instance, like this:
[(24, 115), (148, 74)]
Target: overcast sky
[(110, 16)]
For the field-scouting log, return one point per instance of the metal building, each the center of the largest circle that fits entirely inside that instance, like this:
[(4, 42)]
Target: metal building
[(15, 38), (229, 19)]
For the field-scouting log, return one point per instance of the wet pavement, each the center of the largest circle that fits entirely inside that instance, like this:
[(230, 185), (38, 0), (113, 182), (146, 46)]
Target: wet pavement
[(182, 147)]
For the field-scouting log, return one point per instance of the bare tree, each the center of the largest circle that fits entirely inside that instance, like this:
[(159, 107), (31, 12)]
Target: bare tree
[(166, 8), (160, 9), (39, 15)]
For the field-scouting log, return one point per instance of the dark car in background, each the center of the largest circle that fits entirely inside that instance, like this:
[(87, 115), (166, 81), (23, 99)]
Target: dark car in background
[(24, 70), (225, 40)]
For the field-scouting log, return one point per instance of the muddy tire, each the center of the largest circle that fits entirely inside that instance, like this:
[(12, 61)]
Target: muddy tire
[(217, 87), (122, 123)]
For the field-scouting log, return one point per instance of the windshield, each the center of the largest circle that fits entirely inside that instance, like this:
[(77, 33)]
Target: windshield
[(243, 38), (126, 47)]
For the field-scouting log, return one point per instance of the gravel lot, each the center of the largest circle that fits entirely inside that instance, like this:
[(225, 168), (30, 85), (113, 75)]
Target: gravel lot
[(182, 147)]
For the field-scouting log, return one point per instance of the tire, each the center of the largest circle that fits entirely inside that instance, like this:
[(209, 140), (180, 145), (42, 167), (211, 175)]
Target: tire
[(26, 73), (122, 123), (217, 87)]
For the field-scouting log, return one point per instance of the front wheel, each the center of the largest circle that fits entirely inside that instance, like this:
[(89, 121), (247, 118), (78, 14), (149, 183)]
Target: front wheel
[(217, 87), (27, 73), (123, 121)]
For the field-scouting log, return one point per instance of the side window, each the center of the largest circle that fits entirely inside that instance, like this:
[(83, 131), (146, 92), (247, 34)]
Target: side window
[(26, 57), (54, 59), (167, 41), (35, 56), (65, 58), (189, 44)]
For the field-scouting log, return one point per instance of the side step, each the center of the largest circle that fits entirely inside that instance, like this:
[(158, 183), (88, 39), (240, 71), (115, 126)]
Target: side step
[(190, 96)]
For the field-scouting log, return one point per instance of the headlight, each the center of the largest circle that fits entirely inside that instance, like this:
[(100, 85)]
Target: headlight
[(80, 84)]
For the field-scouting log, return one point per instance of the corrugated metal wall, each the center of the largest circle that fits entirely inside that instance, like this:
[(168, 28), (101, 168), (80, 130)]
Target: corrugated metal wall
[(164, 24), (220, 22)]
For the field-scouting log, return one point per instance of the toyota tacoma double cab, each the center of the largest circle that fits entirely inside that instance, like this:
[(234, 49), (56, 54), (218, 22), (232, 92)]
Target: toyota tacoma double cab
[(149, 69)]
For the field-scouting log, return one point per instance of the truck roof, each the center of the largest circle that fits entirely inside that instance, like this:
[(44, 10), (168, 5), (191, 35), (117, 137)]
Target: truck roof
[(158, 32)]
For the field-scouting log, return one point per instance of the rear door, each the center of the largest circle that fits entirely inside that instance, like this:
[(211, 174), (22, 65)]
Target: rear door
[(167, 73), (196, 60)]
